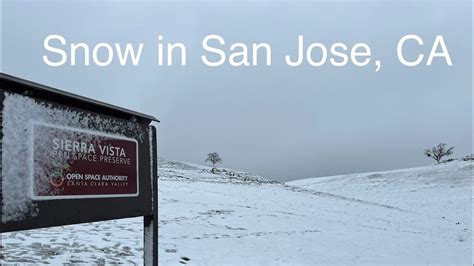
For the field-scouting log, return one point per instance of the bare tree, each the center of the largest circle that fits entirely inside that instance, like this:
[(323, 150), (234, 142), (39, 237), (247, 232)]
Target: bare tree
[(439, 151), (214, 158)]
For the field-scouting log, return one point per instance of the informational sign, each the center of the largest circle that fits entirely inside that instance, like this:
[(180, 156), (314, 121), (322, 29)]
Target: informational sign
[(67, 159), (70, 163)]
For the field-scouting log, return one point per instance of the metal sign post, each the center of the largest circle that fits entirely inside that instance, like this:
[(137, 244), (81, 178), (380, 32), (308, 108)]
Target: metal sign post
[(150, 222), (66, 159)]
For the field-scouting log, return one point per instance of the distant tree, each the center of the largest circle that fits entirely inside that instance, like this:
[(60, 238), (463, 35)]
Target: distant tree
[(439, 151), (213, 158)]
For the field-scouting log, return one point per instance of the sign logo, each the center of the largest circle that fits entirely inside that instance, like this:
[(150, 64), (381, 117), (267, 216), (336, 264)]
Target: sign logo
[(58, 180), (70, 163)]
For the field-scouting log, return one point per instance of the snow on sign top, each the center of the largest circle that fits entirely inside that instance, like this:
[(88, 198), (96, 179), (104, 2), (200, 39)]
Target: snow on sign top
[(55, 157), (71, 98)]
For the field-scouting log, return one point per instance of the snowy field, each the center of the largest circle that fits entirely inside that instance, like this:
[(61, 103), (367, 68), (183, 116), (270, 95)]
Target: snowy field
[(412, 216)]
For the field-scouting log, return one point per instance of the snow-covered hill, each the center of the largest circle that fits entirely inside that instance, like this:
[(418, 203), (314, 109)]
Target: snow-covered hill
[(416, 216), (179, 171), (439, 191)]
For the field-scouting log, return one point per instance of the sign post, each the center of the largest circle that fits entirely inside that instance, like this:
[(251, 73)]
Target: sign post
[(150, 222), (66, 159)]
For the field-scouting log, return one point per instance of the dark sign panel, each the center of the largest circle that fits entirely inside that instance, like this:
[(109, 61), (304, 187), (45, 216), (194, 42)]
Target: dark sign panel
[(68, 159), (75, 163)]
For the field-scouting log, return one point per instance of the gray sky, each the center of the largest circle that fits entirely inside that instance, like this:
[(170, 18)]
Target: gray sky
[(281, 122)]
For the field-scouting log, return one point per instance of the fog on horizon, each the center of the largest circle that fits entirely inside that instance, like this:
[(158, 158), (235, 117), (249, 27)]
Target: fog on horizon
[(280, 122)]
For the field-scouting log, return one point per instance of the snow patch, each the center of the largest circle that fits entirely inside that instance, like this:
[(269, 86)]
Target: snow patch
[(416, 216)]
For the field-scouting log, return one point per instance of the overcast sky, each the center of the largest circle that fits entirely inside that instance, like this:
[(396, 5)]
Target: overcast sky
[(281, 122)]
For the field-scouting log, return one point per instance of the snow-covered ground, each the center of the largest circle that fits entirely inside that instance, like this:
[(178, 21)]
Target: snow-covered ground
[(417, 216)]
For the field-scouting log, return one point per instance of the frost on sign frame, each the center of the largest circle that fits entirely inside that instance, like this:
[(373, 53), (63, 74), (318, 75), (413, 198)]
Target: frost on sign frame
[(69, 163)]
